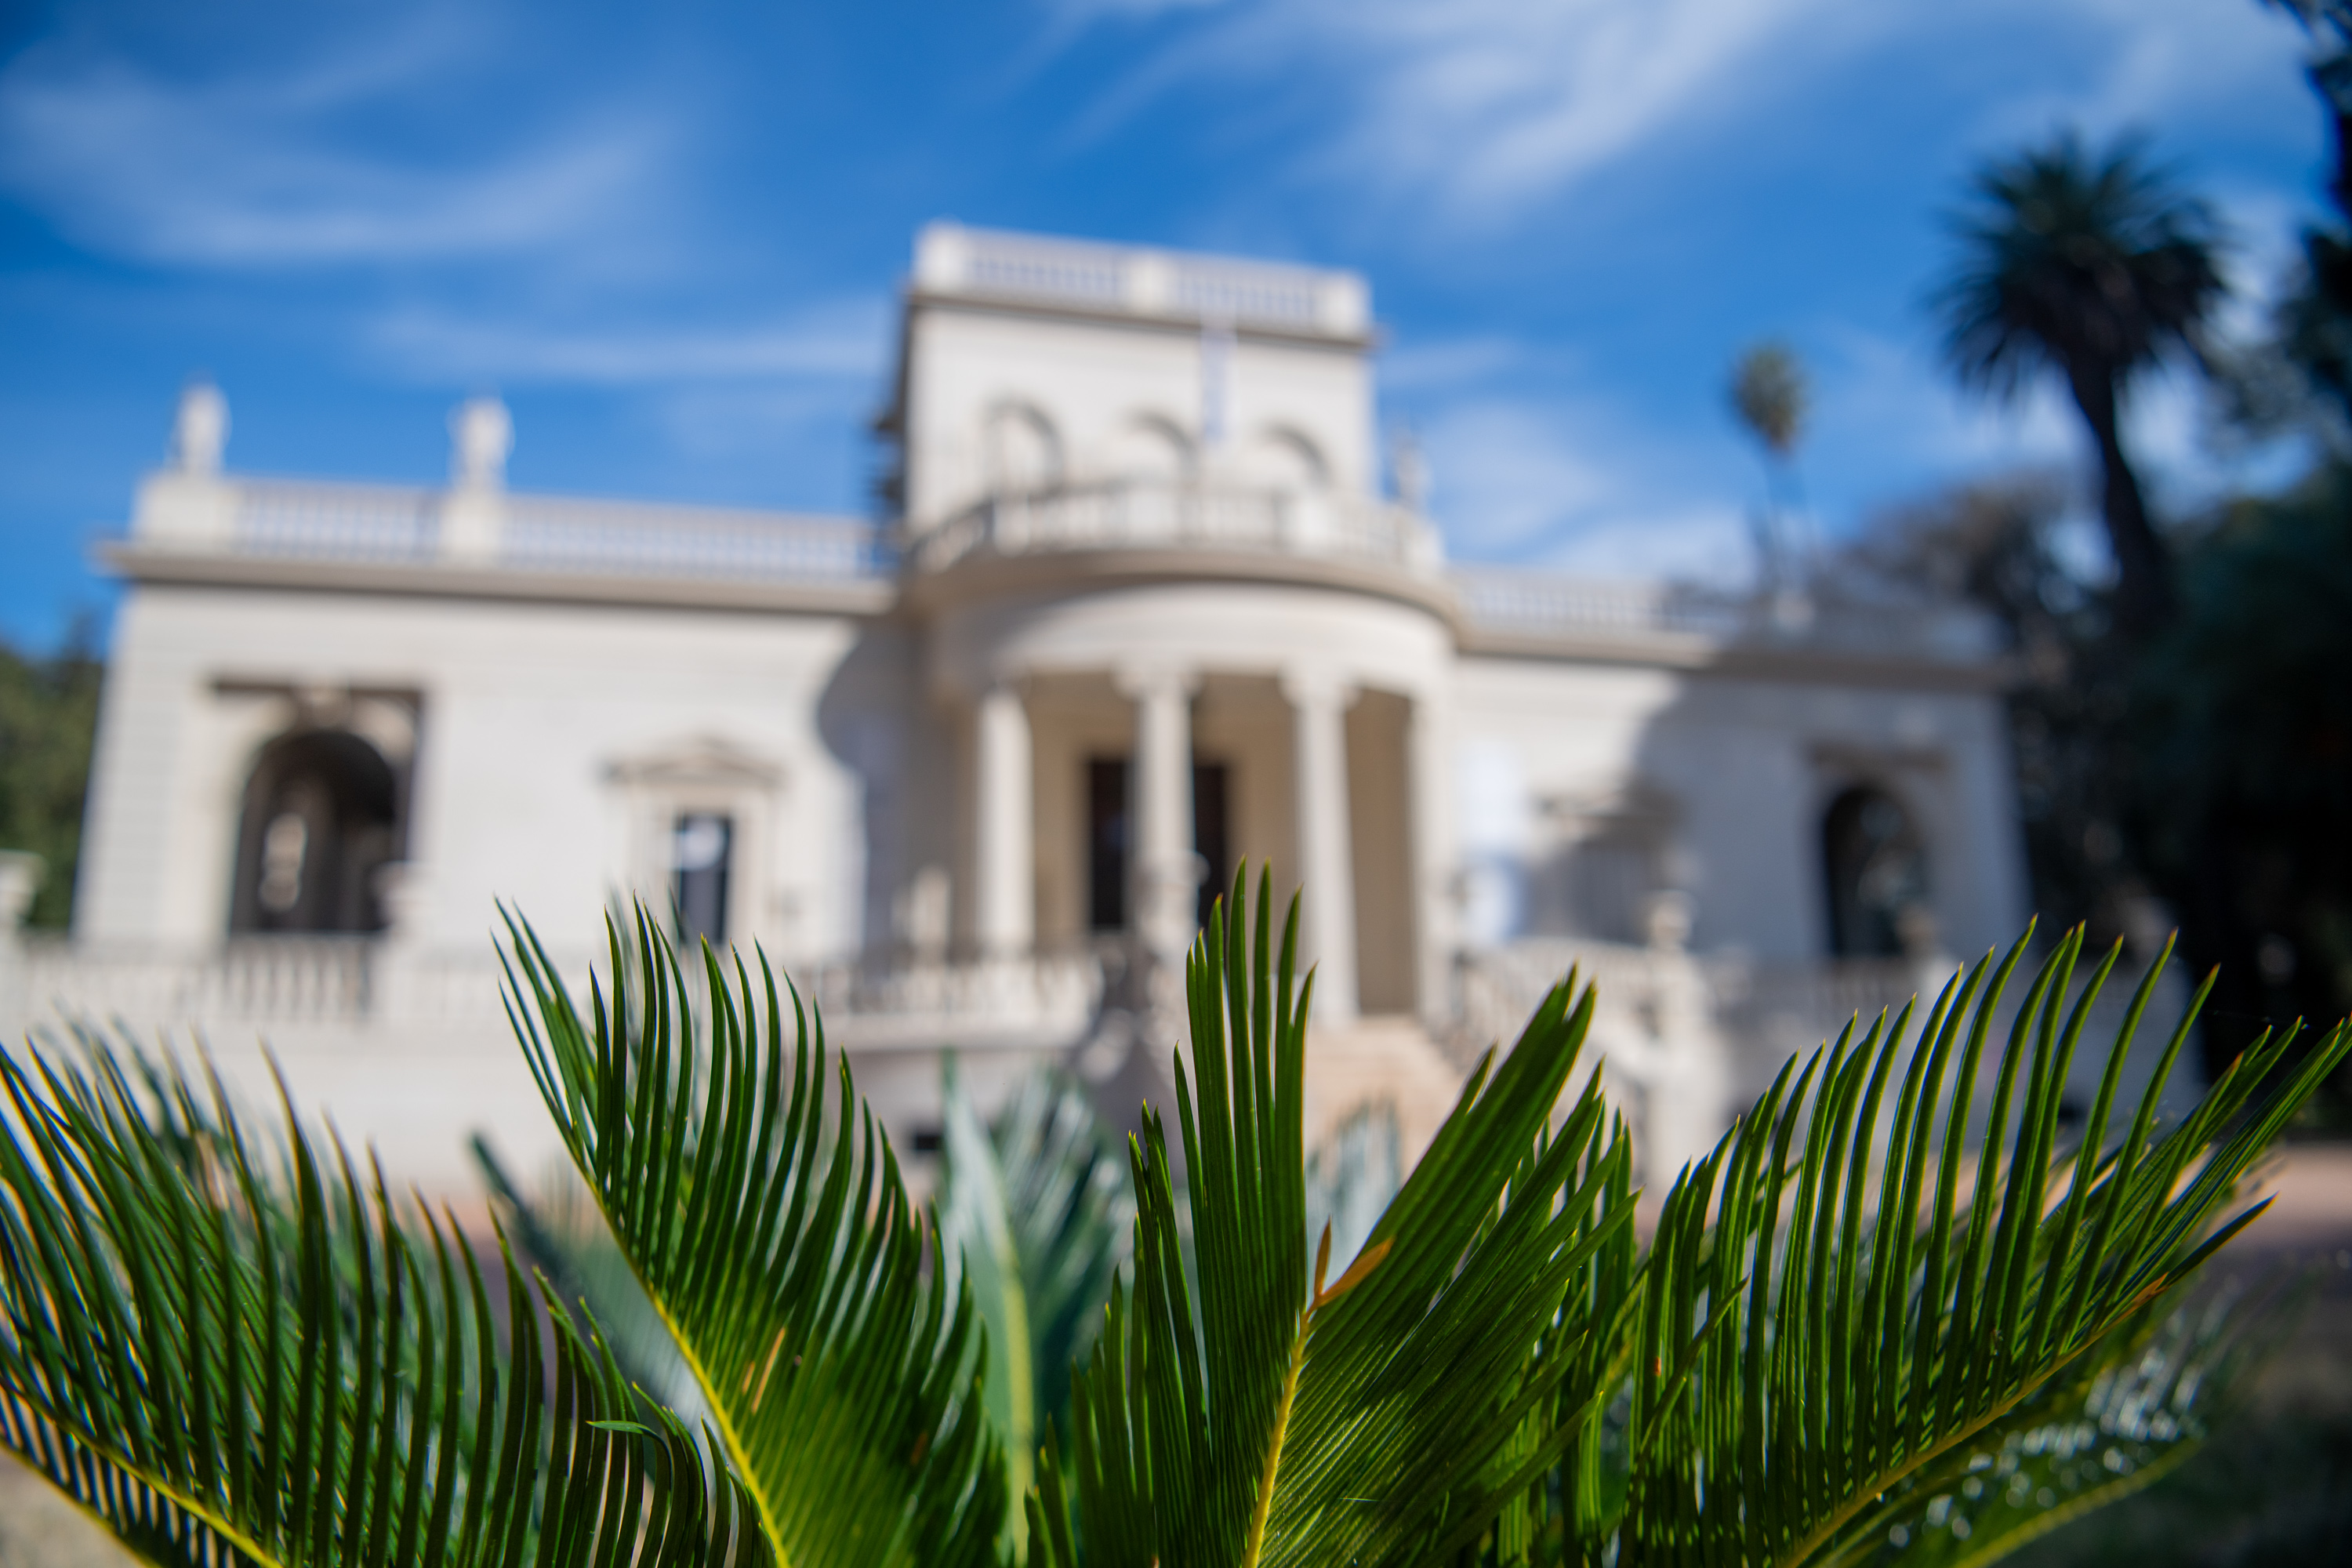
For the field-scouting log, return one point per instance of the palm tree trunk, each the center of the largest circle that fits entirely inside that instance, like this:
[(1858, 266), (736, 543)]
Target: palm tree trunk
[(2145, 602)]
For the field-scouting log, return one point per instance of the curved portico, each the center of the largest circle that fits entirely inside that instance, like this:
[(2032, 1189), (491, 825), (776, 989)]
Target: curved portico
[(1310, 689)]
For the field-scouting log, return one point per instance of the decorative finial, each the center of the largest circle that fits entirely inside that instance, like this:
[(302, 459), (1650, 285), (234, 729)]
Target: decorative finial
[(1409, 470), (481, 434), (200, 429)]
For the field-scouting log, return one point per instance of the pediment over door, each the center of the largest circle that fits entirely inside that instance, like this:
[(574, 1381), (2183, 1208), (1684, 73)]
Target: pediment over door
[(698, 835)]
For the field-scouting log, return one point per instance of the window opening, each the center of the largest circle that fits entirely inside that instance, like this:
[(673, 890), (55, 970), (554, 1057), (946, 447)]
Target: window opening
[(1877, 868), (702, 847)]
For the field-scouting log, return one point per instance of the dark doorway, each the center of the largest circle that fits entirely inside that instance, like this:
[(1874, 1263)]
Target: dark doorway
[(1107, 837), (1106, 842), (1211, 815), (702, 853), (321, 815), (1876, 868)]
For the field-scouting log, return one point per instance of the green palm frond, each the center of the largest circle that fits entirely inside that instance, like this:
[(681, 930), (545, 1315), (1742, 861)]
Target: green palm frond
[(1036, 1208), (1279, 1415), (226, 1362), (1353, 1175), (2118, 1419), (562, 1237), (1878, 1304), (769, 1225)]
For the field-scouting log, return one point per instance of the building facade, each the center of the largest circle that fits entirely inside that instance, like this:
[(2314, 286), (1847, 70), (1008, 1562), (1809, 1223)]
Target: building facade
[(1150, 604)]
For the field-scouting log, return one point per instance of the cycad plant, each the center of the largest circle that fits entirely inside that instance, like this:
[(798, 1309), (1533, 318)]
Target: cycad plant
[(1864, 1327)]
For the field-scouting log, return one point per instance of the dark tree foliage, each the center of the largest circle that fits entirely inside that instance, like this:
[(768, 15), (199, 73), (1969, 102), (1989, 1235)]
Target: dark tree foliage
[(2314, 315), (2241, 728), (48, 716), (2211, 767), (2096, 267)]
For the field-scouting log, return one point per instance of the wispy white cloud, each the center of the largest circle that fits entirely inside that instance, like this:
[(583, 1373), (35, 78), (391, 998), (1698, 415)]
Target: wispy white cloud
[(1479, 104), (2152, 63), (1571, 484), (831, 341), (1482, 110), (248, 169)]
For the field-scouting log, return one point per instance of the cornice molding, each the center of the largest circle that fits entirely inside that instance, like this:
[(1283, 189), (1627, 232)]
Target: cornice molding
[(149, 564)]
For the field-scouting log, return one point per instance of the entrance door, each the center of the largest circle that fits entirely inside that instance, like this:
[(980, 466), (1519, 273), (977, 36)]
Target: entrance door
[(1107, 837)]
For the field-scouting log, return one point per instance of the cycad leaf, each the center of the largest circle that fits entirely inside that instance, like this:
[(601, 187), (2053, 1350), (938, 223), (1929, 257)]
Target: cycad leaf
[(768, 1222), (1036, 1208), (2120, 1418), (562, 1236), (1286, 1415), (228, 1362), (977, 1228), (1889, 1304)]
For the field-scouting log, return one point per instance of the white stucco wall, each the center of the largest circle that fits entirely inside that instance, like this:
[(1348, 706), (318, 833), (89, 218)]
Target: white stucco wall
[(1749, 765), (526, 709), (1092, 380)]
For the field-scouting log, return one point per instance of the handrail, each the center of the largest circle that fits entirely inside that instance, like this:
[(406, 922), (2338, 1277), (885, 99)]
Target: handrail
[(419, 527), (1137, 513)]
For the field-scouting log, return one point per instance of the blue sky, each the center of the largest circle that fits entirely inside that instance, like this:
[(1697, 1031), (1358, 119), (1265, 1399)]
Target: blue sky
[(671, 237)]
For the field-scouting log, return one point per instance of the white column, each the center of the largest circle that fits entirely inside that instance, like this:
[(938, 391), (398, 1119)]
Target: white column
[(1429, 812), (1163, 872), (1005, 896), (1318, 711), (20, 879)]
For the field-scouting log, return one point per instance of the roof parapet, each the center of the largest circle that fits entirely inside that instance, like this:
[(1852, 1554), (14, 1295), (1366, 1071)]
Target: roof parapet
[(955, 262)]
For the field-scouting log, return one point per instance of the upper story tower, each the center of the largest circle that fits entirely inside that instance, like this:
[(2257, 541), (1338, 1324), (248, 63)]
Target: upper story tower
[(1032, 365)]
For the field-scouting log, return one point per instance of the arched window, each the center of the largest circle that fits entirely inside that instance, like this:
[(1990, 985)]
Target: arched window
[(1287, 460), (1023, 452), (1149, 447), (321, 815), (1877, 868)]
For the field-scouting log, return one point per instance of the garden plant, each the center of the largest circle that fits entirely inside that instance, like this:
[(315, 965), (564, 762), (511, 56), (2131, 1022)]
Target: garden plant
[(1912, 1307)]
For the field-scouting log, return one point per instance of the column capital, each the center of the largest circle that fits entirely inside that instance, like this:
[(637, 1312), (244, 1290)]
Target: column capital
[(1139, 679), (1312, 686), (1014, 683)]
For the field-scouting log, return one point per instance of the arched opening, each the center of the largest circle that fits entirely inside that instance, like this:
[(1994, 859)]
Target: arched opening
[(321, 814), (1877, 868), (1024, 453), (1287, 460), (1149, 447)]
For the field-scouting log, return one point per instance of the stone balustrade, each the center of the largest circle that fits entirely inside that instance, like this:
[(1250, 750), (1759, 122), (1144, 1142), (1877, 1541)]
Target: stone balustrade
[(1533, 605), (981, 264), (377, 984), (1140, 514), (392, 525)]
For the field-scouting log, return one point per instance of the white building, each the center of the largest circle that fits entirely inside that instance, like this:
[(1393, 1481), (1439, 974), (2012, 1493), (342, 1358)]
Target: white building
[(1146, 609)]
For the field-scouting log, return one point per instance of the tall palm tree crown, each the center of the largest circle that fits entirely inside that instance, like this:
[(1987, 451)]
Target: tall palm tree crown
[(2097, 266)]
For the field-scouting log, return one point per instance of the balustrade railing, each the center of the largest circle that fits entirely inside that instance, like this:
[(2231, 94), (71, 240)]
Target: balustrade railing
[(1543, 603), (354, 980), (392, 525), (1210, 289), (336, 521), (1139, 514), (1055, 993), (257, 980)]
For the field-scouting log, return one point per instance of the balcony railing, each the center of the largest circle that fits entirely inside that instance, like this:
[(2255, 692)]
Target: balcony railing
[(990, 265), (248, 979), (396, 525), (358, 981), (1540, 604), (1128, 514)]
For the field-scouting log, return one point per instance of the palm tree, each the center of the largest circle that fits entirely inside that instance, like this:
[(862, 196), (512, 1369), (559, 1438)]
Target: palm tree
[(1852, 1310), (2095, 266), (1770, 399)]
